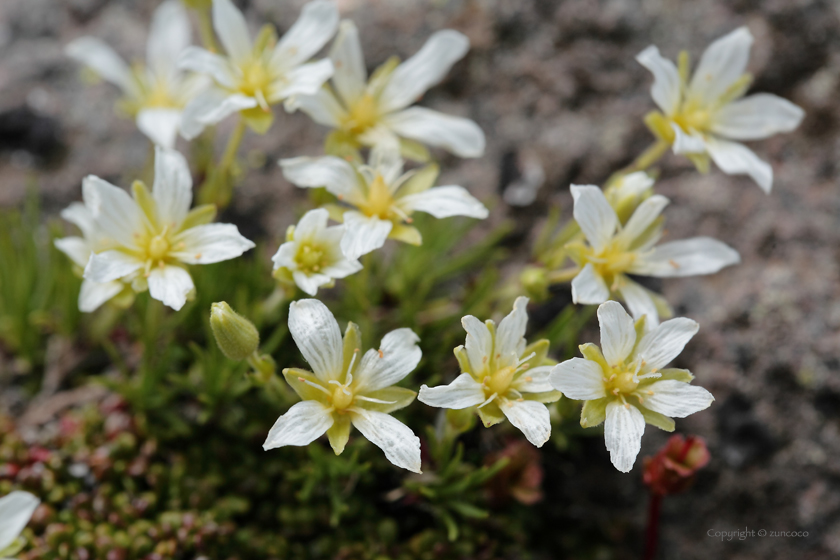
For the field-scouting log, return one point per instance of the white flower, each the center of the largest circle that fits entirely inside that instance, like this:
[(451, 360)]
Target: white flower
[(614, 250), (312, 253), (624, 383), (366, 111), (152, 236), (155, 93), (256, 75), (707, 115), (16, 509), (501, 376), (383, 196), (346, 388)]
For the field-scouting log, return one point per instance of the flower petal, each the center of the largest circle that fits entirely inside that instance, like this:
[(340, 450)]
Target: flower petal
[(578, 379), (594, 215), (644, 215), (79, 215), (316, 25), (664, 343), (426, 68), (535, 380), (170, 285), (399, 443), (686, 257), (623, 430), (443, 202), (306, 79), (638, 301), (169, 35), (102, 59), (463, 392), (323, 107), (74, 247), (757, 116), (312, 223), (232, 30), (479, 343), (397, 356), (211, 243), (363, 234), (531, 417), (687, 142), (510, 336), (736, 159), (93, 294), (458, 135), (723, 62), (666, 79), (618, 332), (172, 190), (116, 214), (588, 287), (310, 282), (160, 125), (302, 424), (111, 265), (204, 62), (350, 76), (676, 399), (210, 107), (342, 268), (15, 511), (336, 174), (316, 333)]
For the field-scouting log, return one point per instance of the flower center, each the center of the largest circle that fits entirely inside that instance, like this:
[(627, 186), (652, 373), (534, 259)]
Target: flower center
[(159, 96), (499, 381), (342, 397), (255, 78), (610, 261), (158, 247), (363, 114), (621, 383), (693, 118), (379, 201), (311, 258)]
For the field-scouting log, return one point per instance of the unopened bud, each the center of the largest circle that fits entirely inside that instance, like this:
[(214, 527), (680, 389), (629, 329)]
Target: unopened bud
[(672, 470), (627, 192), (535, 282), (236, 336)]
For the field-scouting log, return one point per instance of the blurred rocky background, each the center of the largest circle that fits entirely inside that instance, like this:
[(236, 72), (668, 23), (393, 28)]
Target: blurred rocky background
[(555, 87)]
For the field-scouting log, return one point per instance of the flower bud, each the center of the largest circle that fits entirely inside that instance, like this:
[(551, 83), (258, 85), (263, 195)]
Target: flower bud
[(627, 192), (236, 336), (672, 470), (535, 282)]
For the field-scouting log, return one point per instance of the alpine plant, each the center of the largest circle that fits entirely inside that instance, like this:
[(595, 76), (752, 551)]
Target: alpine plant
[(16, 509)]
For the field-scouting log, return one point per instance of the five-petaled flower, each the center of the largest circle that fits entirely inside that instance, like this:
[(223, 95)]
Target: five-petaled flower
[(502, 376), (155, 94), (614, 250), (152, 236), (15, 511), (382, 195), (707, 116), (346, 388), (311, 257), (366, 112), (624, 383), (256, 75)]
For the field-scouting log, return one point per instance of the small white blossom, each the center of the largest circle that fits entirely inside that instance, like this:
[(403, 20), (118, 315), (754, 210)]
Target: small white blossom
[(612, 251), (152, 236), (15, 511), (367, 111), (383, 197), (157, 92), (708, 115), (256, 75), (501, 376), (312, 253), (624, 383), (347, 388)]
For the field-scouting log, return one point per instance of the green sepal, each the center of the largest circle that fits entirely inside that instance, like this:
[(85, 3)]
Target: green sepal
[(421, 181), (304, 391), (540, 350), (266, 39), (701, 162), (342, 144), (406, 234), (656, 419), (339, 432), (379, 79), (490, 414), (414, 151), (463, 359), (593, 353), (399, 397), (545, 398), (144, 200), (258, 119), (199, 216), (660, 126), (594, 412), (676, 374), (352, 345), (335, 211)]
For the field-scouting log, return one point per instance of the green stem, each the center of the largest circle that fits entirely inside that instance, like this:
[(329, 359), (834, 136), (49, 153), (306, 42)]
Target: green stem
[(651, 155), (205, 28), (218, 187)]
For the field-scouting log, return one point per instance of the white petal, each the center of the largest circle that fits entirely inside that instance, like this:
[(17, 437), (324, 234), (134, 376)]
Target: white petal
[(413, 77), (397, 356), (204, 62), (232, 30), (594, 215), (111, 265), (664, 343), (458, 135), (172, 190), (323, 107), (312, 223), (79, 215), (618, 332), (170, 285), (443, 202), (363, 234), (723, 62), (342, 268), (210, 107), (302, 424), (15, 511), (479, 343), (336, 174), (160, 125), (687, 257), (588, 287), (399, 443), (310, 283), (531, 417), (316, 334), (169, 35), (115, 212), (578, 379), (306, 79), (316, 25), (350, 76), (94, 294), (638, 301), (623, 430), (736, 159), (463, 392), (642, 218), (535, 380), (386, 159), (211, 243), (510, 335), (74, 247), (687, 143), (666, 79), (104, 61), (285, 256), (676, 399), (757, 116)]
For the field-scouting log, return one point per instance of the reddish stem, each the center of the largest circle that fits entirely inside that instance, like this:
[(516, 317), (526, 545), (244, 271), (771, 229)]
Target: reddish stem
[(652, 532), (686, 448)]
